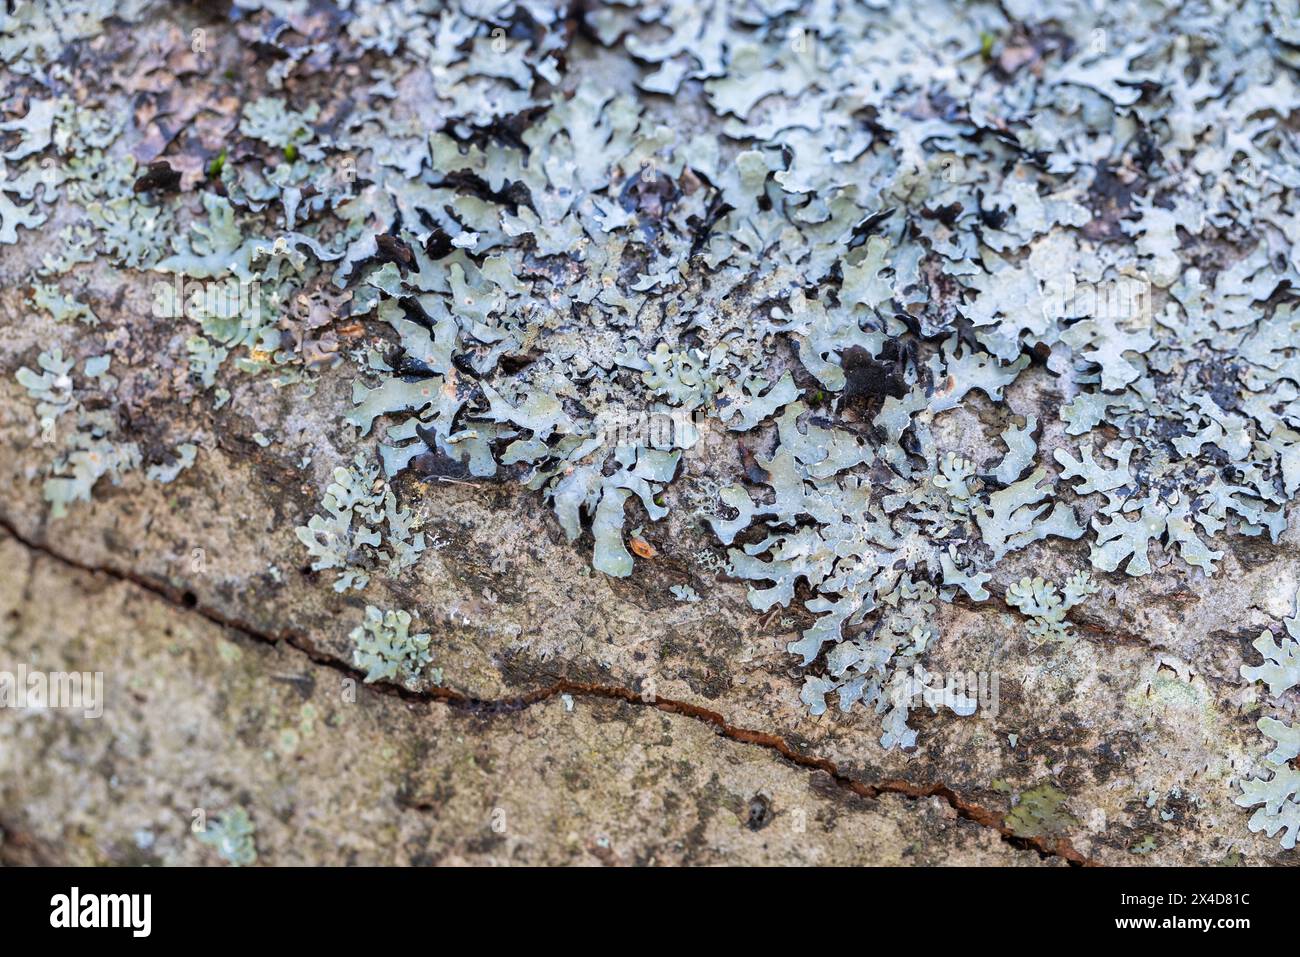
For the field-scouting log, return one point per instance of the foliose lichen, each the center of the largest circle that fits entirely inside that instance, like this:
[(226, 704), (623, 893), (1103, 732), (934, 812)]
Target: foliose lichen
[(826, 231), (233, 835)]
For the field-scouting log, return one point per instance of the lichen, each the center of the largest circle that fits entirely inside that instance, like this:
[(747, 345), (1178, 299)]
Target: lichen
[(84, 439), (1046, 607), (1281, 667), (387, 651), (1276, 792), (362, 527), (879, 222), (233, 837)]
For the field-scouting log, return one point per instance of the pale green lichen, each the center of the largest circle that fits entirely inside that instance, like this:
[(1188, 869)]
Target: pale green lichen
[(1046, 607), (387, 651), (84, 439), (1281, 667), (556, 259), (1276, 793), (268, 119), (362, 527), (233, 835), (61, 307), (684, 593)]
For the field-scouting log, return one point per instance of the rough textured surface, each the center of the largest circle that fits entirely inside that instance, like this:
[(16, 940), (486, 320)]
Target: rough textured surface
[(1146, 705), (206, 717), (580, 706)]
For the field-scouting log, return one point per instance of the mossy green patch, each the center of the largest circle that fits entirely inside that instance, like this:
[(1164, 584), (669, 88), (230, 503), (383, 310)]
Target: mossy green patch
[(1040, 812)]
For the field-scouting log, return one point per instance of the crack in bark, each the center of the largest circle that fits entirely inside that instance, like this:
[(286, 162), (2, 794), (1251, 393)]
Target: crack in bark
[(187, 601)]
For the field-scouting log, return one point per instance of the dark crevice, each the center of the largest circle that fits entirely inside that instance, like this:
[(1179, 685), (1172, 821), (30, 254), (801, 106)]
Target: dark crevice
[(189, 601)]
